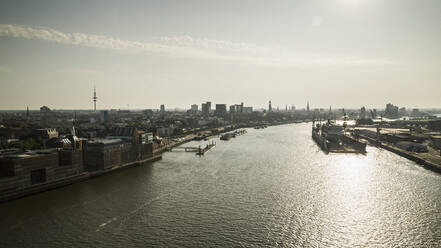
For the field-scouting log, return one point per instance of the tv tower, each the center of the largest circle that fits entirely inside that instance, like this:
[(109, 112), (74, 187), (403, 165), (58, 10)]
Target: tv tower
[(94, 98)]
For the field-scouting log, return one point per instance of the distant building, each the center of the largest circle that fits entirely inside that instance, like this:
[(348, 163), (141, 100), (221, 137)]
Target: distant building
[(45, 109), (104, 116), (165, 131), (374, 113), (148, 112), (131, 134), (206, 109), (402, 111), (248, 110), (236, 108), (46, 133), (162, 108), (270, 108), (232, 108), (221, 109), (307, 106), (391, 111), (194, 108), (363, 113)]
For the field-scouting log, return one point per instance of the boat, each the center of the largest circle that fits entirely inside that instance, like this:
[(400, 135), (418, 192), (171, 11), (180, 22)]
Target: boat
[(333, 138), (226, 136)]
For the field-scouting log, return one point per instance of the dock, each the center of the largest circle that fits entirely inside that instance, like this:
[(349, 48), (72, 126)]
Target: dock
[(202, 151), (427, 160), (342, 144), (196, 149)]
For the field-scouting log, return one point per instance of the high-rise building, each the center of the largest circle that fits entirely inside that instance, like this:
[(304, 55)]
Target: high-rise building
[(194, 107), (363, 113), (162, 108), (206, 109), (221, 109), (391, 111), (209, 106), (307, 106), (104, 116), (236, 108), (270, 108)]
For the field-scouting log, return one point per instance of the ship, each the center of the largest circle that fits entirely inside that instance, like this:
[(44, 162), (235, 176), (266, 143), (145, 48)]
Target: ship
[(227, 136), (333, 138)]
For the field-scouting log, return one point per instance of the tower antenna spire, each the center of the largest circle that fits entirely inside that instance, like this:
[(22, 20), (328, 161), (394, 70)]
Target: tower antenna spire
[(94, 98)]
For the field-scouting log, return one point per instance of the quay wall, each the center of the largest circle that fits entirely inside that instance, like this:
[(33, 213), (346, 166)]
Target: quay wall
[(404, 153), (18, 192), (28, 174)]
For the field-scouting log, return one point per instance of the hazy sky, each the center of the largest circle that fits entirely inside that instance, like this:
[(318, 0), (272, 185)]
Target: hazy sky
[(349, 53)]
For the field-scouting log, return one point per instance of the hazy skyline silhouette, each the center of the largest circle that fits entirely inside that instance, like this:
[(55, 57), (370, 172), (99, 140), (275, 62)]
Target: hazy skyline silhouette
[(344, 53)]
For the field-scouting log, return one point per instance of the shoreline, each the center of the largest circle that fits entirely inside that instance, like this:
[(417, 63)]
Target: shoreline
[(415, 157), (87, 175), (84, 176)]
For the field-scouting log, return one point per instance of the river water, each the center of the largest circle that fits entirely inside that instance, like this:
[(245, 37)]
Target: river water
[(267, 188)]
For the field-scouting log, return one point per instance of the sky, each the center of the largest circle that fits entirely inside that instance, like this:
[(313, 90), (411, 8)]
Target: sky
[(140, 54)]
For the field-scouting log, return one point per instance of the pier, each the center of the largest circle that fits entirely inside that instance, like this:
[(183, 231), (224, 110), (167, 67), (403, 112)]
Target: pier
[(196, 149), (202, 151)]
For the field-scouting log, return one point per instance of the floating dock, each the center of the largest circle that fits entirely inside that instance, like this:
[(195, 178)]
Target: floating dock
[(202, 151), (341, 143), (196, 149)]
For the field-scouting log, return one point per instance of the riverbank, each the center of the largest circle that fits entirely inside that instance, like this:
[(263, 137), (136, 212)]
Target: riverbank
[(71, 180), (85, 175), (426, 160), (269, 187)]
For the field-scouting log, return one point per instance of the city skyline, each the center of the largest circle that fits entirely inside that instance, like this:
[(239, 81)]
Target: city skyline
[(341, 53)]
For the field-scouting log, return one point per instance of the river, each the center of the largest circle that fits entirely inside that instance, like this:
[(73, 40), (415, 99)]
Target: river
[(270, 187)]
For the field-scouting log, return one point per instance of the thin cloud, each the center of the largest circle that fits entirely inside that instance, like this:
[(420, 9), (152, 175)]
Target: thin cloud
[(220, 45), (185, 46)]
